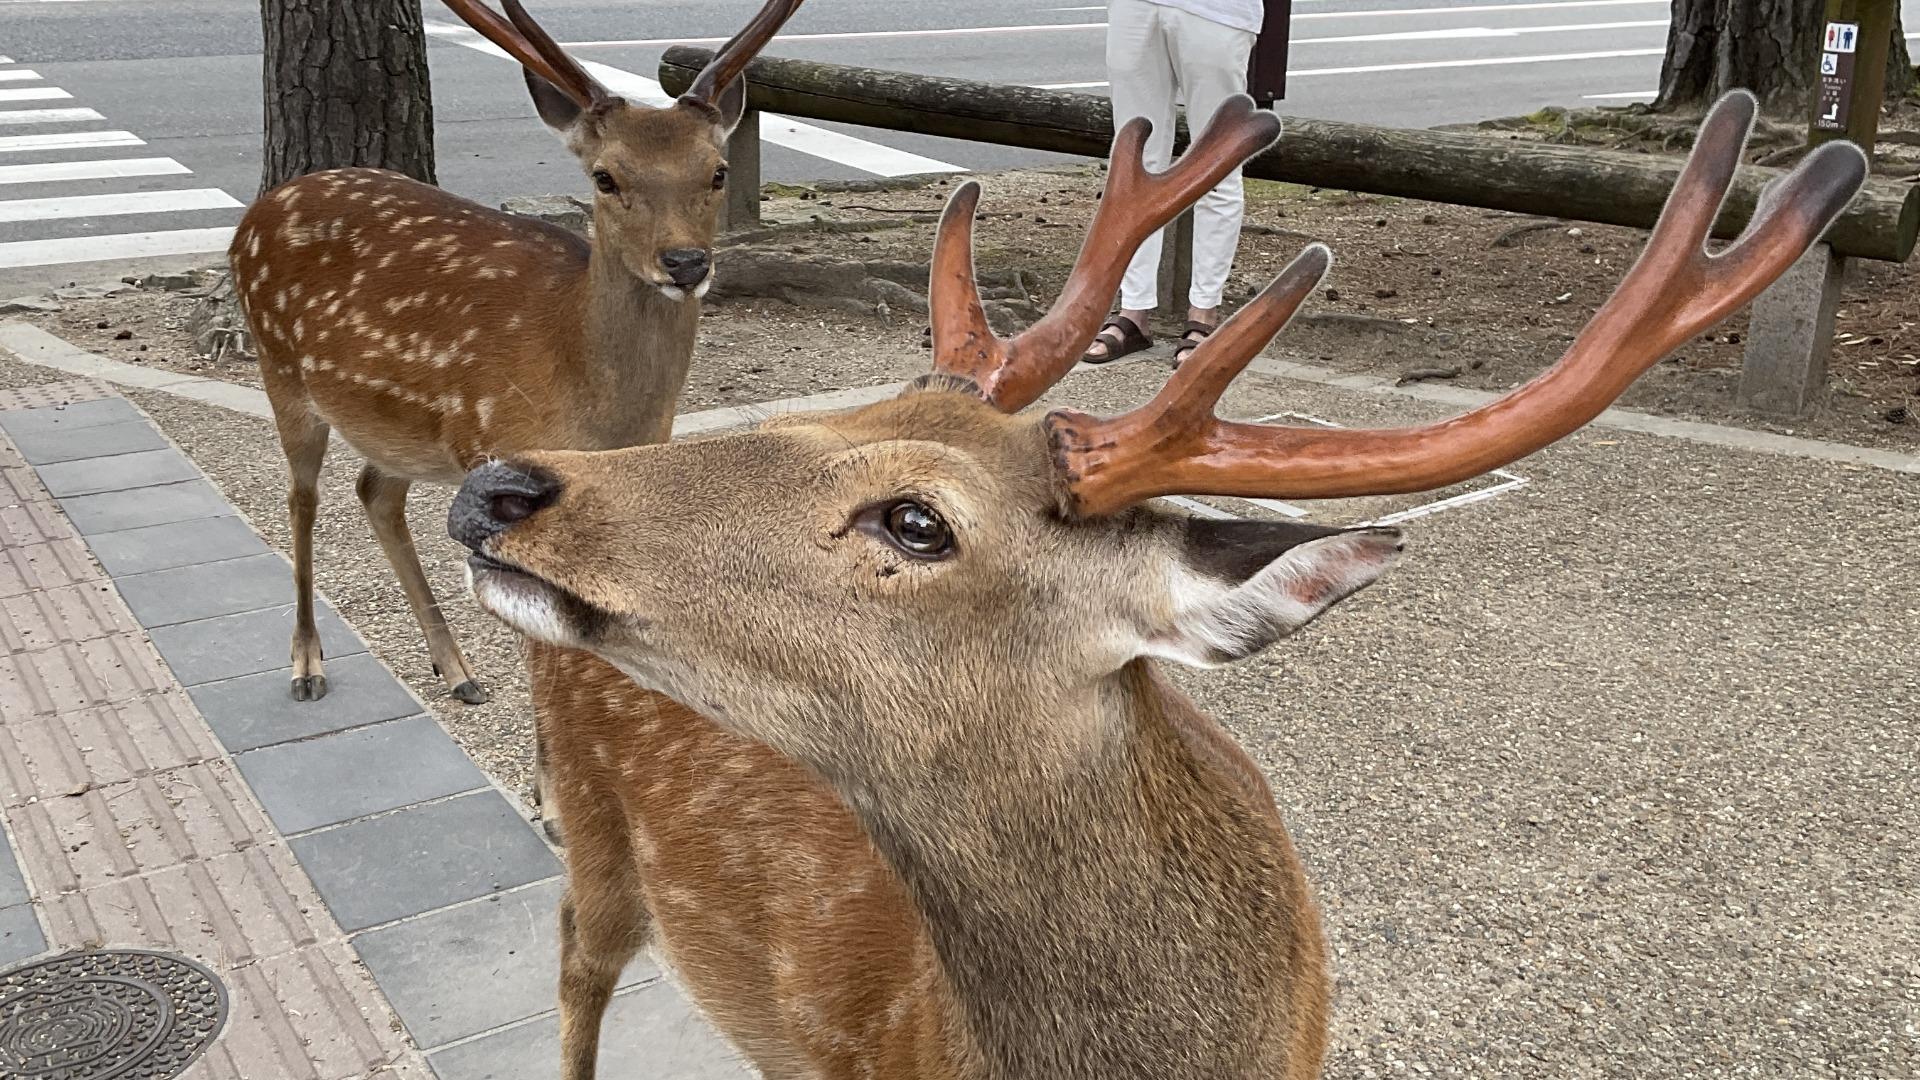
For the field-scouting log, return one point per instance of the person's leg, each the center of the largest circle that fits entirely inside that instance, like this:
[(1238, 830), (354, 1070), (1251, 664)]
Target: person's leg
[(1211, 62), (1141, 82)]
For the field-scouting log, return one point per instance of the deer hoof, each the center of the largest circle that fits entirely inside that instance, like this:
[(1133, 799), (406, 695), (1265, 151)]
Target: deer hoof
[(309, 687), (471, 693)]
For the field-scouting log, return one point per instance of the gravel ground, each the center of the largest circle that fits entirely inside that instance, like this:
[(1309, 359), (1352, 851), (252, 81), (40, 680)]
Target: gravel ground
[(1616, 776)]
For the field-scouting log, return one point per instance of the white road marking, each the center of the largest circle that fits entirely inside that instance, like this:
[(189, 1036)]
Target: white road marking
[(114, 247), (48, 116), (1475, 9), (34, 93), (52, 171), (779, 130), (20, 75), (6, 59), (1420, 65), (132, 202), (10, 144), (1622, 95)]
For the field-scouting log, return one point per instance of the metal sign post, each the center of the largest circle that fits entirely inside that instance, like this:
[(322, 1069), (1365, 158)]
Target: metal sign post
[(1852, 76)]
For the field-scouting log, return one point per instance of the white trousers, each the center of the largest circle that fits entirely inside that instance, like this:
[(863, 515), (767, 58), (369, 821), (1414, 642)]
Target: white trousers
[(1153, 53)]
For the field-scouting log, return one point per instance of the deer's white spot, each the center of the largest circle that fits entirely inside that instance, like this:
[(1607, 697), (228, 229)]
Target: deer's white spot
[(253, 244), (483, 409)]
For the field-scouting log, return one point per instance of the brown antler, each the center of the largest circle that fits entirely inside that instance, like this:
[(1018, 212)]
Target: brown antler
[(1013, 374), (525, 41), (1175, 445), (733, 57)]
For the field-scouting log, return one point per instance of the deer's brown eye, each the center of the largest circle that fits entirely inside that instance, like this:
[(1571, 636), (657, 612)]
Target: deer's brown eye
[(719, 178), (918, 531), (603, 180)]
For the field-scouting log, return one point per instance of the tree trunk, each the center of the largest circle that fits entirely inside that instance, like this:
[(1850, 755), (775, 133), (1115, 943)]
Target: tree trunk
[(346, 85), (1766, 46)]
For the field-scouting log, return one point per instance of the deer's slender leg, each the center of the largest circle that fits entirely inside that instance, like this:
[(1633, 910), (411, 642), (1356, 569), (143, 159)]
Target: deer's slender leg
[(304, 439), (385, 498), (603, 923)]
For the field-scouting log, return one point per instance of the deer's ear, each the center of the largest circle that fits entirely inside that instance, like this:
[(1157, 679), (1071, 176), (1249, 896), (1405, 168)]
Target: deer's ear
[(556, 109), (732, 105), (1243, 585)]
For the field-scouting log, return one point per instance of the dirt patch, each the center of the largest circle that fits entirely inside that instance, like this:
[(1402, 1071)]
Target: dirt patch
[(1419, 290)]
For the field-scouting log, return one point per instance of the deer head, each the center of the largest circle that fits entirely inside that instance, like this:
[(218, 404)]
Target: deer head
[(658, 173), (939, 569)]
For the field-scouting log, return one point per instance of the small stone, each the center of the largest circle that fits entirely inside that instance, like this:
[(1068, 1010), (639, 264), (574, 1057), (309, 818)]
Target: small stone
[(1379, 223), (102, 325), (1899, 414), (1586, 249), (1333, 294), (1385, 294), (1429, 219), (124, 335)]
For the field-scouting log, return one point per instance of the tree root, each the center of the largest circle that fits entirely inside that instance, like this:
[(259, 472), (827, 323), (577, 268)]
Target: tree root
[(1506, 239)]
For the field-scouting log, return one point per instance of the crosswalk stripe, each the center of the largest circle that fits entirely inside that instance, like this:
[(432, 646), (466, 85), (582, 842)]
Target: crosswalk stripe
[(20, 75), (132, 202), (114, 247), (33, 93), (48, 116), (68, 141), (112, 168)]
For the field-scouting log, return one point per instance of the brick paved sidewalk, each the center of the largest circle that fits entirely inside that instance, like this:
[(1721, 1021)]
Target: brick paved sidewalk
[(372, 903)]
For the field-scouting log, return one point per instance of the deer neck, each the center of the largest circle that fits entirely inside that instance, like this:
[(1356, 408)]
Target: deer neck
[(1119, 909), (637, 347)]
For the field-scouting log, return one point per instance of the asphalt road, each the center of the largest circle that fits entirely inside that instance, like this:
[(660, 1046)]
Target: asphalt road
[(173, 85)]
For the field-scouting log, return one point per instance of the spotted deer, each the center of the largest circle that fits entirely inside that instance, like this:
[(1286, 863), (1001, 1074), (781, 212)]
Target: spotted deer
[(430, 331), (906, 794)]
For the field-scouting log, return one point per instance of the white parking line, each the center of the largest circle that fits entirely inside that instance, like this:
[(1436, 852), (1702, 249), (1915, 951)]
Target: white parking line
[(6, 59), (132, 202), (113, 248), (48, 116), (779, 130), (114, 168), (11, 144), (34, 93), (20, 75)]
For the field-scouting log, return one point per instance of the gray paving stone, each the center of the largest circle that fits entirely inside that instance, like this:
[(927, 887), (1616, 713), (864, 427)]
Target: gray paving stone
[(230, 646), (475, 967), (350, 774), (207, 590), (423, 858), (652, 1031), (122, 472), (13, 887), (112, 511), (179, 543), (29, 423), (256, 710), (55, 444), (20, 935)]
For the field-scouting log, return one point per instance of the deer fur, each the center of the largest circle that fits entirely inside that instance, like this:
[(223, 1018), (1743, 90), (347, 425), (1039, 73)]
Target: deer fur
[(429, 331), (870, 864)]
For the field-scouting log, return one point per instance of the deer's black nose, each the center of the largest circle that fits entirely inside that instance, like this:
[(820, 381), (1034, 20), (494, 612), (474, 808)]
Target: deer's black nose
[(495, 497), (686, 266)]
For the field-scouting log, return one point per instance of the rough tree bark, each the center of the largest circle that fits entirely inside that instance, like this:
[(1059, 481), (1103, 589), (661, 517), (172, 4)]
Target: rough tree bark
[(1766, 46), (346, 84)]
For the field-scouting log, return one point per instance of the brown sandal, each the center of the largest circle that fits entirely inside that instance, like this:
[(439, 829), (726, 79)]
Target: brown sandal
[(1131, 339), (1190, 340)]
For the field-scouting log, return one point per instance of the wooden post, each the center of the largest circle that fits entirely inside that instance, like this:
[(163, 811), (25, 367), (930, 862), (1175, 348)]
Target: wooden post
[(742, 208), (1790, 337), (1267, 64), (1176, 268)]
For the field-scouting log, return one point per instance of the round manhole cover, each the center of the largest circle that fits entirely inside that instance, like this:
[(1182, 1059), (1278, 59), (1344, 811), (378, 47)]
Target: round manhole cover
[(119, 1015)]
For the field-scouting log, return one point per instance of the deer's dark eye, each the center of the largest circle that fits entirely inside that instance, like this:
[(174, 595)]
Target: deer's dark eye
[(603, 180), (918, 531), (719, 178)]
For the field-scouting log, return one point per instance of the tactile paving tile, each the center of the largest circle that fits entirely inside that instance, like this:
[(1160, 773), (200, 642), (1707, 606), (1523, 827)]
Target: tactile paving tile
[(54, 394)]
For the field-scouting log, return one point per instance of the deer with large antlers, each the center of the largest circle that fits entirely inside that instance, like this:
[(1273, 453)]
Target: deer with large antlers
[(906, 795), (430, 331)]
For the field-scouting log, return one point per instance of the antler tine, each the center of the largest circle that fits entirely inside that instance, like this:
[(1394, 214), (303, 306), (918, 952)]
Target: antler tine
[(568, 77), (733, 57), (566, 66), (1674, 291), (1013, 374)]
